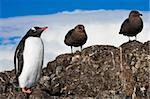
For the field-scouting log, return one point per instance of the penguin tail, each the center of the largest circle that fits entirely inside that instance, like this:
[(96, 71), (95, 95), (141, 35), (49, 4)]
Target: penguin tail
[(16, 82)]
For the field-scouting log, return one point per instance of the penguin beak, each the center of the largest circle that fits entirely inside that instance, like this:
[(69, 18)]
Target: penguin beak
[(43, 28), (140, 14)]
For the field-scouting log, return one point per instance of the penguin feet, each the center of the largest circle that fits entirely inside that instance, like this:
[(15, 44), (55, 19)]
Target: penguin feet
[(26, 90)]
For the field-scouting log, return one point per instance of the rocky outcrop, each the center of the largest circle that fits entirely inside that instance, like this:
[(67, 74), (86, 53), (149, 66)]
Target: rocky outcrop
[(98, 72)]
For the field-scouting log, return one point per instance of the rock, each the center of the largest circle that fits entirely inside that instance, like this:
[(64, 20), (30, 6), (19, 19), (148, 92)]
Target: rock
[(98, 72), (147, 47)]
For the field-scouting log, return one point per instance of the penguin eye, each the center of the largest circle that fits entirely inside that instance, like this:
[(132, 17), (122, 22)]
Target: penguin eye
[(33, 29)]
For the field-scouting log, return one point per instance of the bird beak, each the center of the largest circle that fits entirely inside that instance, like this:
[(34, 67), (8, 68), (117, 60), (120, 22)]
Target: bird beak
[(43, 28), (140, 14)]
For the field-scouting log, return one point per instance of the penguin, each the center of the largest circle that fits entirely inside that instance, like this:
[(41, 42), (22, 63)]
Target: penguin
[(28, 59), (76, 37), (132, 25)]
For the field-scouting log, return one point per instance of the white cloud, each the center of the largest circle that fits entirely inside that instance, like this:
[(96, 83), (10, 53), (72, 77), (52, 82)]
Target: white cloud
[(102, 27)]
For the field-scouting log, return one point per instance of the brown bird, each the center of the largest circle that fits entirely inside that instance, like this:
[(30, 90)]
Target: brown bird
[(132, 25), (76, 37)]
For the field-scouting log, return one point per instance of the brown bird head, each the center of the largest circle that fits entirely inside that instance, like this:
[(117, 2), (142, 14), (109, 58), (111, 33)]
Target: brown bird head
[(134, 13), (79, 28)]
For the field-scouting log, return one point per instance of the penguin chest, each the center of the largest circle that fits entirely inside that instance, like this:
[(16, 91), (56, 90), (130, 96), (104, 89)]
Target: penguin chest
[(32, 61), (33, 51)]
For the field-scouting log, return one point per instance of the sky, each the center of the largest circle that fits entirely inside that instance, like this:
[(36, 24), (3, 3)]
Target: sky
[(11, 8), (102, 21)]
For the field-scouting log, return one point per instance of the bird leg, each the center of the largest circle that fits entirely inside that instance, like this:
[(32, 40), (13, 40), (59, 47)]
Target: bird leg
[(26, 90), (71, 50), (129, 39), (135, 37), (81, 48)]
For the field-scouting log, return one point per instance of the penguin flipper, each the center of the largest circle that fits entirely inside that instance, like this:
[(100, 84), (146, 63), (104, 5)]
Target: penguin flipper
[(18, 59)]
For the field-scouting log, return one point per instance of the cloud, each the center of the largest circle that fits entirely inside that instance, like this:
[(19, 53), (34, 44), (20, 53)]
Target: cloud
[(102, 27)]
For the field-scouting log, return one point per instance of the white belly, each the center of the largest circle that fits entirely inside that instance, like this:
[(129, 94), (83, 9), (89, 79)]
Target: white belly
[(33, 60)]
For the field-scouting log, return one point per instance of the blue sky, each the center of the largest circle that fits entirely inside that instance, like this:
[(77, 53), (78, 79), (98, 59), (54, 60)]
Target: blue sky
[(11, 8)]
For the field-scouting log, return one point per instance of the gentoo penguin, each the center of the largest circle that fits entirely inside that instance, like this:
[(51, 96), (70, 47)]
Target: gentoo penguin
[(132, 25), (76, 37), (28, 59)]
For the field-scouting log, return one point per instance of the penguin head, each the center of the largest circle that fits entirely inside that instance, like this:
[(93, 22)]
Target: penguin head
[(134, 13), (36, 31)]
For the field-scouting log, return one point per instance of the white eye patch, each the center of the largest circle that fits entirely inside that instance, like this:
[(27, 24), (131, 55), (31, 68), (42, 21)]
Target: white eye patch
[(33, 29)]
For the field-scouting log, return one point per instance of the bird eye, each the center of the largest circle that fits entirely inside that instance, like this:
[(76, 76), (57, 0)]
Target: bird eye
[(33, 29)]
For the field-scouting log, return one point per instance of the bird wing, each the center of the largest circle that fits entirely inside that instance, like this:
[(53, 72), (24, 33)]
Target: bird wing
[(69, 33), (124, 26), (68, 38), (18, 58)]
